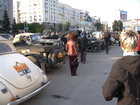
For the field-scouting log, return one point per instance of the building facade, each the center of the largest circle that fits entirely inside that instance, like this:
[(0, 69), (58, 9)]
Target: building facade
[(48, 11), (131, 23)]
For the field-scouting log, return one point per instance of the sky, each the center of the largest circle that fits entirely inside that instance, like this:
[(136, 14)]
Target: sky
[(105, 8)]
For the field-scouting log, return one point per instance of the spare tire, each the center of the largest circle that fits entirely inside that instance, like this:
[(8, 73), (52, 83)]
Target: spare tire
[(57, 63), (50, 59)]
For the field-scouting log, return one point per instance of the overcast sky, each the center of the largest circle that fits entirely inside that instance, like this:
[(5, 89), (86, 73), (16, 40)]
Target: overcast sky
[(105, 8)]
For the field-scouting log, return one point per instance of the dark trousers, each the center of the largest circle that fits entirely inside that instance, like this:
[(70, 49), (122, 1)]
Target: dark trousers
[(107, 44), (72, 69), (83, 56)]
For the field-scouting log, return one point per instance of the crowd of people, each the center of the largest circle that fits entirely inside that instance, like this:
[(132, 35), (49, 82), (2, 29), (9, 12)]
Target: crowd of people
[(124, 78)]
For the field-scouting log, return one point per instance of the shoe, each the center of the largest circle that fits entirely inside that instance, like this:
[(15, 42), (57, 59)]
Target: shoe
[(74, 74), (84, 62)]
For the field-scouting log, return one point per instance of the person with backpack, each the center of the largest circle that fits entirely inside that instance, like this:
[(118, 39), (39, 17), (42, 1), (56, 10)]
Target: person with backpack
[(123, 81)]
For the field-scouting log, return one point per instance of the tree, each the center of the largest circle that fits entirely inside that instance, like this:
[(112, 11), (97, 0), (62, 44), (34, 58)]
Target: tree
[(6, 22), (99, 26), (60, 26), (14, 27), (117, 25), (36, 27), (67, 25), (20, 26)]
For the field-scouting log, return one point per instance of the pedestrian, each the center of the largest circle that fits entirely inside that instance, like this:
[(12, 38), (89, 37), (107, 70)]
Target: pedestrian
[(138, 47), (83, 33), (124, 78), (98, 36), (82, 44), (107, 37), (71, 47)]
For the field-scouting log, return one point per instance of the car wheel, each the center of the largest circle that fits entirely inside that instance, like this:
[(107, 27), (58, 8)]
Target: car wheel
[(34, 60), (57, 63), (95, 47)]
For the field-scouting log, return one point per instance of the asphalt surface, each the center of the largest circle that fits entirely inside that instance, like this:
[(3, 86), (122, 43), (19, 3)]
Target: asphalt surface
[(83, 89)]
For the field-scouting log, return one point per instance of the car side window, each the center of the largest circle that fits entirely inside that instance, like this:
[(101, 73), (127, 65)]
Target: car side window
[(4, 48)]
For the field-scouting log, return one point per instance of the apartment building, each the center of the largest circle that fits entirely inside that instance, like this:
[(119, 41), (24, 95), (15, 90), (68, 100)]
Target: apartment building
[(45, 11), (8, 5), (131, 23)]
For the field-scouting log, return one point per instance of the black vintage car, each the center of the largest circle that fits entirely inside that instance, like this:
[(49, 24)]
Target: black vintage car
[(45, 53), (93, 45)]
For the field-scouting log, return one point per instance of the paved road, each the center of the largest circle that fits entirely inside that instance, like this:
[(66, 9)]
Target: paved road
[(83, 89)]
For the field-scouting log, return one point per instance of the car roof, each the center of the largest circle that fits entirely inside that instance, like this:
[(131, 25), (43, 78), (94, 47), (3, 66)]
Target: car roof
[(1, 38), (4, 34), (27, 34)]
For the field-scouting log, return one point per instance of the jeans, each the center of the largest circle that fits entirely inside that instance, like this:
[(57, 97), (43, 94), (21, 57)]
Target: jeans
[(107, 43)]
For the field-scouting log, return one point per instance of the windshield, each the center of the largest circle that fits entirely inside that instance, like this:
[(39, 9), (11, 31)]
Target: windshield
[(35, 37), (4, 48)]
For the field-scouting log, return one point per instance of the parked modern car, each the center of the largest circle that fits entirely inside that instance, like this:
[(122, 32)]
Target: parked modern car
[(7, 36), (20, 78)]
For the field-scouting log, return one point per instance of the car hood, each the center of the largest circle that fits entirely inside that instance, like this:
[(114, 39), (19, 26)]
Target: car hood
[(18, 70), (46, 41)]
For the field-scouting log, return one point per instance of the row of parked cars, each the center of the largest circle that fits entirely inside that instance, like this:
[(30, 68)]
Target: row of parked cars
[(25, 60)]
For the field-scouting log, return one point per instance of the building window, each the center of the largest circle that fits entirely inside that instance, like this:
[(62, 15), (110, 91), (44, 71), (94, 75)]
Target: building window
[(46, 15)]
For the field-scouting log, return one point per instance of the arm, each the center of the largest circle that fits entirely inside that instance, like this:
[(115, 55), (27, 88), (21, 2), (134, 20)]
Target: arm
[(112, 84), (67, 48)]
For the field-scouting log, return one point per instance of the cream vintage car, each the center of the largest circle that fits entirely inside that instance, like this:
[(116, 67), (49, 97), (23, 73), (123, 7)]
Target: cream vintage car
[(20, 78)]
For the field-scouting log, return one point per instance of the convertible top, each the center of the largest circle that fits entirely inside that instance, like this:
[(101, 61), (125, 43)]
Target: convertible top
[(63, 34), (1, 38), (6, 46)]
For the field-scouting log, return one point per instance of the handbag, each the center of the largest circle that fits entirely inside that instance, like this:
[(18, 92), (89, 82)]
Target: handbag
[(75, 63)]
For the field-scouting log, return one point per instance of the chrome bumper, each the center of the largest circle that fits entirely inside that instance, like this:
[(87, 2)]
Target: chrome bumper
[(16, 102)]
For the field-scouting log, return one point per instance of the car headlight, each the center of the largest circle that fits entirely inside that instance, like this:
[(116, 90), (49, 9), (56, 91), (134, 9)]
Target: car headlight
[(24, 51)]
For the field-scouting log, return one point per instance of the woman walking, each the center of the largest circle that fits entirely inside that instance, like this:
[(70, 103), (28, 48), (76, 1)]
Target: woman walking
[(71, 47)]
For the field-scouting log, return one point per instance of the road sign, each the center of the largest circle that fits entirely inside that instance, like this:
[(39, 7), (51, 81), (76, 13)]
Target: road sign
[(26, 28)]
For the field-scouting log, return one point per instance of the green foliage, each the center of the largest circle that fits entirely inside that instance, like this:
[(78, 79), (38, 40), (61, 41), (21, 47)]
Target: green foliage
[(5, 22), (60, 27), (67, 25), (52, 28), (14, 27), (117, 25), (20, 26), (99, 26), (36, 27)]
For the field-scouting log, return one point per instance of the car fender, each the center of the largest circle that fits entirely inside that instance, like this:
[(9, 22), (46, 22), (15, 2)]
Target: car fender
[(5, 94)]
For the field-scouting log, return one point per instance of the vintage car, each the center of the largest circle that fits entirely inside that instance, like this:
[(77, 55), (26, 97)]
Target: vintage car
[(20, 79), (48, 54), (7, 36)]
